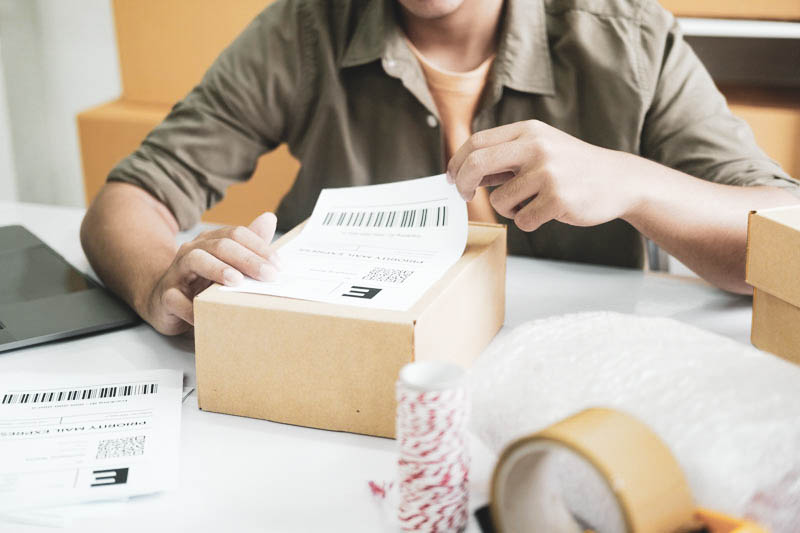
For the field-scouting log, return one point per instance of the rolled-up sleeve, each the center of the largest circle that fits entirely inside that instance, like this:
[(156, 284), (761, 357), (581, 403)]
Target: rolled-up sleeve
[(214, 137), (688, 125)]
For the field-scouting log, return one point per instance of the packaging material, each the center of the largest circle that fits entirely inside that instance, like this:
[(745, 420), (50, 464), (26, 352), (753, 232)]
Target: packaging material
[(334, 367), (433, 462), (110, 132), (559, 479), (727, 411), (774, 9), (773, 261), (166, 47)]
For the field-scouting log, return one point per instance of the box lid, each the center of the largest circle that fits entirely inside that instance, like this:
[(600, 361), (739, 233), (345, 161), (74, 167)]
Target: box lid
[(773, 252), (480, 237)]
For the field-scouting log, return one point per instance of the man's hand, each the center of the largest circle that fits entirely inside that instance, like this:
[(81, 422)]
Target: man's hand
[(222, 256), (544, 174)]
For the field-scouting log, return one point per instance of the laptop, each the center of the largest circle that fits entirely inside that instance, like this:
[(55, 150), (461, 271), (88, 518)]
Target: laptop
[(43, 298)]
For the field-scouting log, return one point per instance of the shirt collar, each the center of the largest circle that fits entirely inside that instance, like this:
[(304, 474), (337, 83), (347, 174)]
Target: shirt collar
[(523, 61)]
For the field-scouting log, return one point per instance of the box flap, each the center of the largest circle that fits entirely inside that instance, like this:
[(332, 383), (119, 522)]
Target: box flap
[(480, 236), (773, 252)]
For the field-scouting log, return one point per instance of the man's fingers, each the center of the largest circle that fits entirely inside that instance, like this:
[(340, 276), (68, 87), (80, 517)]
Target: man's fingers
[(240, 258), (249, 238), (496, 159), (178, 304), (496, 179), (208, 267), (264, 226), (518, 190), (540, 210), (483, 139)]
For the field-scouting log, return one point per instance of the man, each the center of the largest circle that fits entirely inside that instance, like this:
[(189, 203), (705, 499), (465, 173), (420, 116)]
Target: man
[(593, 121)]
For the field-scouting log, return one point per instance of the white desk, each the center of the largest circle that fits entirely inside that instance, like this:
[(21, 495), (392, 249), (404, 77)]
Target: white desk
[(240, 474)]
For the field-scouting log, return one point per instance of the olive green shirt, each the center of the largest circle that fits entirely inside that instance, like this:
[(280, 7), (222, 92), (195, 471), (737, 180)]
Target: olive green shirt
[(337, 82)]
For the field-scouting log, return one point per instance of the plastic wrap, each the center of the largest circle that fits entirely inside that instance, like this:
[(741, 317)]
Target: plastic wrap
[(729, 413)]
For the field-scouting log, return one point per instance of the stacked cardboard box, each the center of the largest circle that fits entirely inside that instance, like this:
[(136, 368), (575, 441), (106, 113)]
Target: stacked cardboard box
[(773, 264), (164, 49), (774, 116)]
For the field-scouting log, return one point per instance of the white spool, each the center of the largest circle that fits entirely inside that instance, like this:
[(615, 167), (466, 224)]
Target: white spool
[(433, 465)]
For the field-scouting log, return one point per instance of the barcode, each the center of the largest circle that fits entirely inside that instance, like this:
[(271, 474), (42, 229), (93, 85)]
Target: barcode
[(388, 275), (124, 447), (406, 218), (80, 394)]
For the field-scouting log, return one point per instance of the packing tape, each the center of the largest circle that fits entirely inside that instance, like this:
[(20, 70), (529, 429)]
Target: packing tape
[(599, 470)]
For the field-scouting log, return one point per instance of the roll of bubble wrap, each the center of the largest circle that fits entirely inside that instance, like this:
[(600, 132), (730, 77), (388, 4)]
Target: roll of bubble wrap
[(729, 413)]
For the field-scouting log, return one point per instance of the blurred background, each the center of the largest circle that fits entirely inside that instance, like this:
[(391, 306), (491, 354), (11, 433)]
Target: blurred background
[(82, 82)]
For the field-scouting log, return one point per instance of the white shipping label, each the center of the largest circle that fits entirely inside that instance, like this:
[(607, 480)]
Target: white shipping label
[(76, 438), (379, 246)]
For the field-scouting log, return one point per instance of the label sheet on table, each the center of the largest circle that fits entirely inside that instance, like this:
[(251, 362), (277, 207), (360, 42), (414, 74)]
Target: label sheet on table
[(377, 246), (77, 438)]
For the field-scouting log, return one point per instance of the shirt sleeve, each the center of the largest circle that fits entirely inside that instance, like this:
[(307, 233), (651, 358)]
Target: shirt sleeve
[(214, 137), (688, 125)]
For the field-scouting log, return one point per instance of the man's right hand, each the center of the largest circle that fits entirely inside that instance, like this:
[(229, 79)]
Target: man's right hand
[(224, 256)]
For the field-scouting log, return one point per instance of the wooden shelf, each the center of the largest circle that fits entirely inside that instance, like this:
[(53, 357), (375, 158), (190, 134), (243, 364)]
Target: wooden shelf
[(737, 9), (742, 29)]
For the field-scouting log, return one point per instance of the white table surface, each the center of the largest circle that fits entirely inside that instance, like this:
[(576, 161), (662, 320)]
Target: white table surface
[(240, 474)]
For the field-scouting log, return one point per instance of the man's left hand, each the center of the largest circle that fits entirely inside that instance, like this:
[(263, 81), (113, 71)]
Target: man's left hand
[(545, 174)]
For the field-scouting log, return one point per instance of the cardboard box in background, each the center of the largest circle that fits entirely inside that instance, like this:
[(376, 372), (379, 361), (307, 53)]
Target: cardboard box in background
[(110, 132), (744, 9), (773, 267), (165, 47), (774, 116), (334, 367)]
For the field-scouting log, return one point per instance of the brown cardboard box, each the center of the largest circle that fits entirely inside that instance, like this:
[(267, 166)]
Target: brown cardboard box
[(165, 47), (773, 252), (334, 367), (746, 9), (776, 326), (774, 116), (110, 132), (773, 263)]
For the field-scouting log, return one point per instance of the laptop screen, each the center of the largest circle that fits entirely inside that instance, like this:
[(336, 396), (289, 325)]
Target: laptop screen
[(36, 272)]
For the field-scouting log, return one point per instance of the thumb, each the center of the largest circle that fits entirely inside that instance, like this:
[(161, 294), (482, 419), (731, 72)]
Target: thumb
[(264, 226)]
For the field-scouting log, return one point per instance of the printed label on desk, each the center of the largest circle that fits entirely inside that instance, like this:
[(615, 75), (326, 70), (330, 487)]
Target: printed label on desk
[(69, 439)]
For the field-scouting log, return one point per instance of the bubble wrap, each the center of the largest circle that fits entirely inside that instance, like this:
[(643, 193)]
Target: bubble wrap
[(729, 413)]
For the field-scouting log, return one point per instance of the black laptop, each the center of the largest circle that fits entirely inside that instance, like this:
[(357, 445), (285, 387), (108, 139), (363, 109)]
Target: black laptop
[(43, 298)]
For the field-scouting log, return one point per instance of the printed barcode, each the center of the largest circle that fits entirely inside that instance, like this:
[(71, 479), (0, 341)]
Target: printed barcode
[(80, 394), (406, 218)]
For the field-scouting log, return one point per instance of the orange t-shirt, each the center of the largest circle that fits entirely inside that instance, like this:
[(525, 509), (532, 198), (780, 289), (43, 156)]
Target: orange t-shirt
[(456, 95)]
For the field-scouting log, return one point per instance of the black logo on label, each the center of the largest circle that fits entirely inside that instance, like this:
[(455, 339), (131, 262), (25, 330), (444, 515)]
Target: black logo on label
[(115, 476), (361, 292)]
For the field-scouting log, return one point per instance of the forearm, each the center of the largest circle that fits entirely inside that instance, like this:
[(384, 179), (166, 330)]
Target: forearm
[(702, 224), (129, 238)]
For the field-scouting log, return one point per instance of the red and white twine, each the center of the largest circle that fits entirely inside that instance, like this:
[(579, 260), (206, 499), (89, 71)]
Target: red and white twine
[(433, 467)]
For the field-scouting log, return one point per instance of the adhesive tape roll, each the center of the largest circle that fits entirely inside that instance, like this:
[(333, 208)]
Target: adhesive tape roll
[(598, 470)]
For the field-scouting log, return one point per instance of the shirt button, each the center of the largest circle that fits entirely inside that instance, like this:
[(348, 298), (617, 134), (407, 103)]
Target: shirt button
[(390, 63), (432, 122)]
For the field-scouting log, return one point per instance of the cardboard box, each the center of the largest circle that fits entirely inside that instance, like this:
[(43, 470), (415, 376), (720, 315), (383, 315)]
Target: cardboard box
[(776, 326), (773, 263), (334, 367), (746, 9), (165, 47), (110, 132), (774, 116)]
